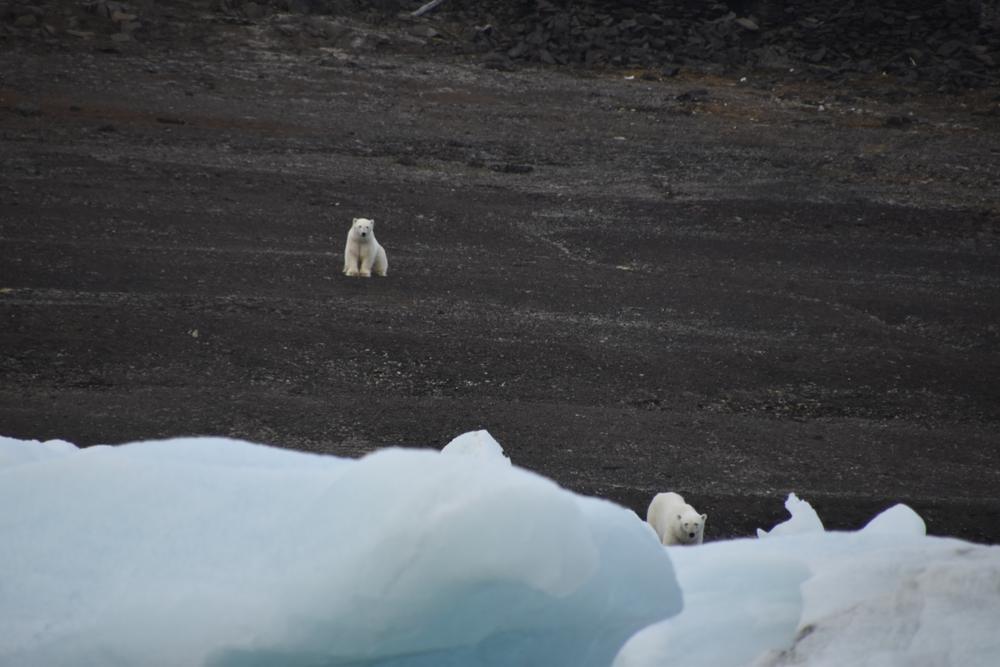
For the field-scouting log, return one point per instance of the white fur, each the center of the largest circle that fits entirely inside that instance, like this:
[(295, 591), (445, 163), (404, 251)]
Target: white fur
[(674, 521), (363, 255)]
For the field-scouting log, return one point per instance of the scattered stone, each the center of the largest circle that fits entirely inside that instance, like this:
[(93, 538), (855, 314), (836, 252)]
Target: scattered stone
[(695, 95), (498, 61), (947, 45), (817, 55), (898, 122), (938, 44), (510, 168), (27, 110), (253, 11), (950, 48), (168, 120), (424, 32), (24, 9), (483, 32)]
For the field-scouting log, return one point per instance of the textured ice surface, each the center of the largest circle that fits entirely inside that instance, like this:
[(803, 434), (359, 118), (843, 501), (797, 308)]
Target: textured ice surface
[(207, 551), (885, 596), (477, 444), (803, 519), (14, 452)]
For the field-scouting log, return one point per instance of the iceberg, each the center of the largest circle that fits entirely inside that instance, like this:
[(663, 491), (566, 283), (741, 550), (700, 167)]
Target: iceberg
[(886, 595), (479, 445), (224, 553), (218, 552), (14, 452), (803, 519)]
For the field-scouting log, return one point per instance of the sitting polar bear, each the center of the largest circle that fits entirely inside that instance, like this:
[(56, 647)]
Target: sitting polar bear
[(674, 521), (363, 254)]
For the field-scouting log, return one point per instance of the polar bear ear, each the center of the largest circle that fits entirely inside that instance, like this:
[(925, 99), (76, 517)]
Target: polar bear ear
[(704, 518), (354, 221)]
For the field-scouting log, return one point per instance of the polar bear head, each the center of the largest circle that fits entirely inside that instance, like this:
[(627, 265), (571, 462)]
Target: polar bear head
[(363, 227), (690, 527)]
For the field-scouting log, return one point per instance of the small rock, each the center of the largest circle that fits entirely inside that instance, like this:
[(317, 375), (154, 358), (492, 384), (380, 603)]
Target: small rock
[(498, 61), (986, 59), (316, 27), (483, 32), (253, 11), (950, 48), (748, 24), (773, 56), (26, 21), (23, 9), (27, 110), (898, 122), (817, 55), (695, 95), (509, 168), (424, 32)]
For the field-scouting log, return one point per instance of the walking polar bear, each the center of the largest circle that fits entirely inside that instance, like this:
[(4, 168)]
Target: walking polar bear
[(363, 255), (674, 521)]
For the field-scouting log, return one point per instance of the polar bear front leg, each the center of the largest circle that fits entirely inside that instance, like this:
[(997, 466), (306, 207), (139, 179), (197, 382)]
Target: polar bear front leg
[(351, 259), (367, 259)]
